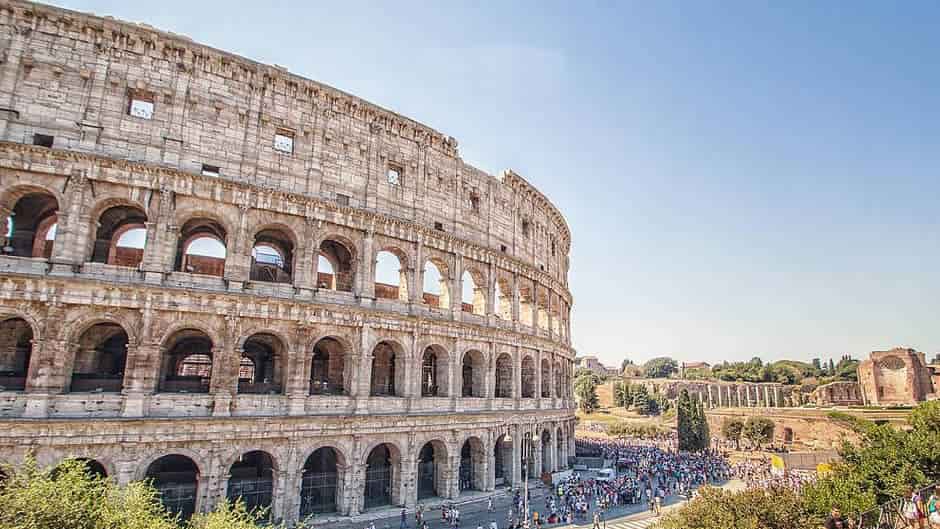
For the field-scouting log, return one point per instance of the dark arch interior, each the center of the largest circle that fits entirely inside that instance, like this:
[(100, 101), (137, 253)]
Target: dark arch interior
[(319, 486), (384, 375), (327, 368), (111, 224), (32, 217), (428, 479), (429, 373), (528, 378), (503, 377), (378, 487), (472, 372), (187, 363), (251, 479), (16, 346), (93, 468), (502, 456), (100, 359), (546, 379), (261, 369), (469, 460), (176, 478)]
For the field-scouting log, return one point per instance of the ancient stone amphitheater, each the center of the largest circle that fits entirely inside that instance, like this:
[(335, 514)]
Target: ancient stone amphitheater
[(191, 287)]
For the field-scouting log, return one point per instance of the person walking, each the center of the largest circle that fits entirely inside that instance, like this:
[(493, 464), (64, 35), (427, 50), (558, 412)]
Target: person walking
[(404, 519), (597, 520), (489, 504)]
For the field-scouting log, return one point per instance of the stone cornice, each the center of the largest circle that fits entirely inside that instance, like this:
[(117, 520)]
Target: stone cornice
[(220, 303)]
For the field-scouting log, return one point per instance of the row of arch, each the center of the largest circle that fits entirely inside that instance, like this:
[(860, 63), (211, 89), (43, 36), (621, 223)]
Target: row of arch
[(253, 476), (189, 360), (203, 242)]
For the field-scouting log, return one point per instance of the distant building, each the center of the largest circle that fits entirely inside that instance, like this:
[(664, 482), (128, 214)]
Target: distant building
[(592, 364), (897, 377), (691, 365)]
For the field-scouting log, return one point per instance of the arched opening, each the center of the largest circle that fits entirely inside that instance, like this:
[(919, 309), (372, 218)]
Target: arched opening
[(327, 370), (381, 476), (546, 451), (31, 227), (93, 469), (559, 450), (558, 381), (528, 456), (261, 370), (391, 276), (176, 479), (472, 374), (335, 267), (272, 256), (788, 435), (120, 237), (251, 479), (187, 363), (387, 372), (525, 304), (473, 297), (471, 473), (546, 379), (436, 290), (16, 347), (503, 377), (100, 359), (432, 464), (528, 378), (201, 248), (434, 368), (503, 302), (502, 460), (542, 304), (319, 487)]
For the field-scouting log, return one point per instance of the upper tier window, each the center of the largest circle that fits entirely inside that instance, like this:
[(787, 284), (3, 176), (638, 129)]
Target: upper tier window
[(284, 141), (394, 175), (141, 105)]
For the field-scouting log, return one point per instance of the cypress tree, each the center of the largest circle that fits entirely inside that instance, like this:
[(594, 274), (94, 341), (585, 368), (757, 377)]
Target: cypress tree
[(684, 421)]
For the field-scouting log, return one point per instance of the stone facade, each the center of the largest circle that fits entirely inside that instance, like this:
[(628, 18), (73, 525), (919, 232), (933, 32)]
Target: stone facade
[(897, 377), (837, 394), (276, 367)]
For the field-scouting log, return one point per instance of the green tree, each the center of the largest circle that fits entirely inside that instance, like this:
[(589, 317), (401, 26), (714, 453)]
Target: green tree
[(69, 497), (832, 368), (691, 424), (626, 362), (731, 429), (619, 394), (641, 400), (660, 367), (585, 389), (758, 430), (714, 508)]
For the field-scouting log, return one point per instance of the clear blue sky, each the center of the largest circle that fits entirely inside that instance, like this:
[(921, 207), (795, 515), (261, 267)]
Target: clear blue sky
[(740, 178)]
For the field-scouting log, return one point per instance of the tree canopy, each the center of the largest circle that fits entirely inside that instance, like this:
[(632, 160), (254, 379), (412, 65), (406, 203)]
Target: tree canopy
[(660, 367)]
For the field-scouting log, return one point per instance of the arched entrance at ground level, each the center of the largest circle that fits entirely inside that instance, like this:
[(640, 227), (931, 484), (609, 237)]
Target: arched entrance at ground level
[(471, 474), (327, 368), (319, 490), (251, 479), (93, 468), (432, 461), (381, 477), (502, 460), (176, 479), (546, 451), (788, 435), (527, 457), (16, 347), (100, 359)]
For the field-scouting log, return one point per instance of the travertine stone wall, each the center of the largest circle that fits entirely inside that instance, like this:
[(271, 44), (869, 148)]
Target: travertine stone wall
[(74, 157), (718, 394)]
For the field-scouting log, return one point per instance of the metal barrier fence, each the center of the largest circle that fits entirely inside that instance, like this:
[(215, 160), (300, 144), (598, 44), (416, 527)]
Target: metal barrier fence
[(891, 515)]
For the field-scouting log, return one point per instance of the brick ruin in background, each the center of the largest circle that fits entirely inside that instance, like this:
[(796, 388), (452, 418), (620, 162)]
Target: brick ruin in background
[(244, 345), (897, 377)]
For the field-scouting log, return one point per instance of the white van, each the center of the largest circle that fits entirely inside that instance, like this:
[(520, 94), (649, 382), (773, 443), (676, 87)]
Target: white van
[(606, 474)]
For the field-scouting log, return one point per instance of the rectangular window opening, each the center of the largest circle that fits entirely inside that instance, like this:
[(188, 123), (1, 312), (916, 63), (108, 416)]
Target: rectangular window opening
[(394, 174), (43, 140), (210, 170), (342, 200), (438, 226), (284, 141), (141, 105), (502, 248)]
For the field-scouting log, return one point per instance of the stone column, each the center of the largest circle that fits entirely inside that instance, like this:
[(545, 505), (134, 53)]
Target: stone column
[(456, 301), (354, 489), (516, 300), (409, 488), (366, 275), (238, 252), (223, 384), (308, 255), (548, 312), (72, 223), (535, 306), (416, 285), (516, 455), (491, 293)]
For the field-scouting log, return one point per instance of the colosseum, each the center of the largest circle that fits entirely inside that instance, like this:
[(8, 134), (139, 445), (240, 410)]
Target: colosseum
[(192, 286)]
